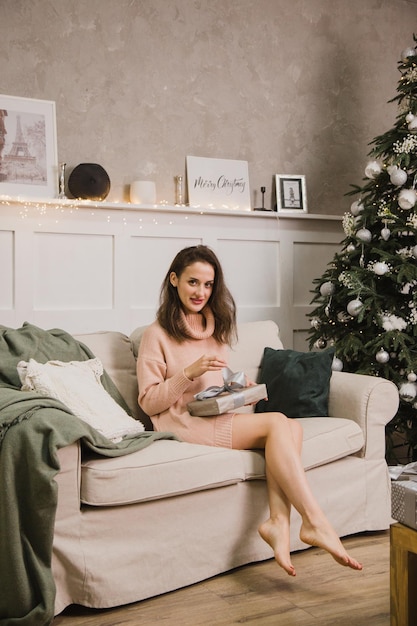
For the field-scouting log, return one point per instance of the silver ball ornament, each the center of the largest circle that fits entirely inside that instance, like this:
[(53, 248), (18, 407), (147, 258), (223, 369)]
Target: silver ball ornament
[(373, 169), (320, 344), (407, 199), (381, 268), (408, 52), (398, 177), (356, 207), (354, 307), (327, 289), (350, 248), (412, 377), (315, 323), (364, 235), (382, 356)]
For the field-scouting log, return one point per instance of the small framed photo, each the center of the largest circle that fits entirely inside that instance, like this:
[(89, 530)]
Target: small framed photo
[(28, 147), (291, 193)]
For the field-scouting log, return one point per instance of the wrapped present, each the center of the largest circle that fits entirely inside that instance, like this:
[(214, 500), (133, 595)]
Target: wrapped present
[(404, 502), (218, 400)]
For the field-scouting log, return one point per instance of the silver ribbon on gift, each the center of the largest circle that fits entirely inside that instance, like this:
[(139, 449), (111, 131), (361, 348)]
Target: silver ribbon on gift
[(232, 381)]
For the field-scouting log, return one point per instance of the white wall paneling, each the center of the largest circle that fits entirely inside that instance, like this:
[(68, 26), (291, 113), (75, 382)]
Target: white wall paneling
[(99, 266), (7, 269)]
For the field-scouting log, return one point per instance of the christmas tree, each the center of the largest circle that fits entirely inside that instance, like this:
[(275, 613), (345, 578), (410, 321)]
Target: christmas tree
[(366, 301)]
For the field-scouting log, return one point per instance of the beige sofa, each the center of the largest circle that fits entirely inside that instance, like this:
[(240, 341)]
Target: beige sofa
[(172, 514)]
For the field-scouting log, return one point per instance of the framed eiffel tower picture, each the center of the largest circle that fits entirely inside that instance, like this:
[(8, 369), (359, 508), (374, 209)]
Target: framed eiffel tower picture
[(28, 148)]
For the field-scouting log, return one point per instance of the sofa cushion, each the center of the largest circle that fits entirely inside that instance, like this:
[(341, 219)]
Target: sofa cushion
[(327, 439), (170, 468), (114, 350), (77, 384), (297, 382), (252, 338), (164, 469)]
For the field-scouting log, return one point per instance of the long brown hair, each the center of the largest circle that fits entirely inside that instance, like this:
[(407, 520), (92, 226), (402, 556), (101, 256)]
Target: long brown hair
[(221, 301)]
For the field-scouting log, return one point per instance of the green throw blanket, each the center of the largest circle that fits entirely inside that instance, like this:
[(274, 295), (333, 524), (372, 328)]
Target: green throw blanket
[(32, 429)]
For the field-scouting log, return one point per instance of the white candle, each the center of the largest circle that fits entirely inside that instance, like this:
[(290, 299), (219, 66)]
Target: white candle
[(143, 192)]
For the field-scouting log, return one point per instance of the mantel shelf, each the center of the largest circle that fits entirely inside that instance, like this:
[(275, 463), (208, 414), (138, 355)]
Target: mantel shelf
[(66, 203)]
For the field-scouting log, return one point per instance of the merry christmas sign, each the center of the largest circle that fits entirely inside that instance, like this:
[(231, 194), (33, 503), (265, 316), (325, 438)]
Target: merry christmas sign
[(218, 183)]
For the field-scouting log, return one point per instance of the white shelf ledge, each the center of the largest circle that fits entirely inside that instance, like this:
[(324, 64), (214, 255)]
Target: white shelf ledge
[(66, 203)]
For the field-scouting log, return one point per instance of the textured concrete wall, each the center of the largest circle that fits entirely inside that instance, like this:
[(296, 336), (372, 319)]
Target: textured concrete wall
[(292, 86)]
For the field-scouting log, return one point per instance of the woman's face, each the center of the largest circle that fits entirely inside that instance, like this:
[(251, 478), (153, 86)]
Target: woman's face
[(194, 286)]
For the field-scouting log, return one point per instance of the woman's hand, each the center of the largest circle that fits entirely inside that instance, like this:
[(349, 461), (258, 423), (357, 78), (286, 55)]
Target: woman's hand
[(206, 363)]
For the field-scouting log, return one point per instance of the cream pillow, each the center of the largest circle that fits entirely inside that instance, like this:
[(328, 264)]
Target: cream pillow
[(77, 384)]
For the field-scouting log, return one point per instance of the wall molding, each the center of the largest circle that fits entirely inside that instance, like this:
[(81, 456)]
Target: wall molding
[(99, 266)]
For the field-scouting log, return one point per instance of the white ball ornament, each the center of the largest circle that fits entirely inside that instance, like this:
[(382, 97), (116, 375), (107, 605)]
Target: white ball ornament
[(327, 289), (398, 177), (364, 235), (337, 364), (373, 169), (356, 207), (351, 247), (407, 198), (385, 233), (408, 391), (354, 307), (315, 323), (412, 377), (382, 356), (412, 122), (408, 52), (381, 268)]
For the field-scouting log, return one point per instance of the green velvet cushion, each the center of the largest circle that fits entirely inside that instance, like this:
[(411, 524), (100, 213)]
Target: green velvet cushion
[(297, 382)]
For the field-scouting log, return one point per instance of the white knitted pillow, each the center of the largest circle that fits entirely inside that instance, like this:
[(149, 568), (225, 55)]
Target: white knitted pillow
[(77, 384)]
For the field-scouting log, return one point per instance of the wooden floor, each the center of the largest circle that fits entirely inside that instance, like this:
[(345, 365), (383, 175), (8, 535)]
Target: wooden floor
[(323, 594)]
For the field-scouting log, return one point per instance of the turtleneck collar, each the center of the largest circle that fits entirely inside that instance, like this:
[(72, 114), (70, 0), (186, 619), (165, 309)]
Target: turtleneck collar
[(198, 325)]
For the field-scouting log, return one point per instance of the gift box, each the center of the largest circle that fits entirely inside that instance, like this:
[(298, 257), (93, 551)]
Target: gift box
[(404, 502), (227, 401)]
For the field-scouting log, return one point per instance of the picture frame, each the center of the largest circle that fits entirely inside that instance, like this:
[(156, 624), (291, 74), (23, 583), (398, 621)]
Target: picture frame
[(28, 148), (291, 193)]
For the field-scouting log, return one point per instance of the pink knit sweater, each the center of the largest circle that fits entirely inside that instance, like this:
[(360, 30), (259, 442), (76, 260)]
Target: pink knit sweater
[(165, 390)]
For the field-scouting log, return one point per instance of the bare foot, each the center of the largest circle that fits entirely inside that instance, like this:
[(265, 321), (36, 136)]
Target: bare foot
[(325, 537), (277, 535)]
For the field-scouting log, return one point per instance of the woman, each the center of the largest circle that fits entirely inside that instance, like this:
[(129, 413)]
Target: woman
[(182, 353)]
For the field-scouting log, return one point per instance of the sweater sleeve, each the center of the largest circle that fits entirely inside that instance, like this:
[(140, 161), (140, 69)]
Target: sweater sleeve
[(156, 393)]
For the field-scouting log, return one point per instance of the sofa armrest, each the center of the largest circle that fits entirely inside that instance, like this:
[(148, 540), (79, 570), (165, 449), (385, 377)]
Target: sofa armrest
[(67, 556), (368, 400)]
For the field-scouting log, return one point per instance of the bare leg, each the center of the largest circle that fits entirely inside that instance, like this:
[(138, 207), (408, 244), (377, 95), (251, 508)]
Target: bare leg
[(276, 530), (287, 484)]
